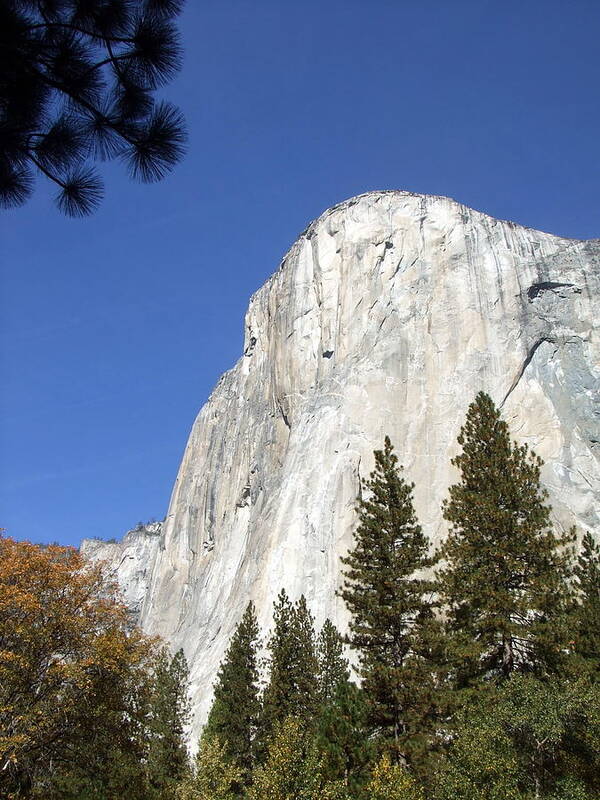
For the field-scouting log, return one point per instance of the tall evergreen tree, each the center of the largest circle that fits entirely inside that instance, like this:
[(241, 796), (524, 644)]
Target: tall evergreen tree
[(385, 595), (170, 709), (505, 574), (341, 729), (292, 687), (587, 611), (333, 666), (233, 718), (342, 739), (307, 664)]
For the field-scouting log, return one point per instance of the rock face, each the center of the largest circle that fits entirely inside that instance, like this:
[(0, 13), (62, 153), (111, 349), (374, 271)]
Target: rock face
[(387, 316), (130, 561)]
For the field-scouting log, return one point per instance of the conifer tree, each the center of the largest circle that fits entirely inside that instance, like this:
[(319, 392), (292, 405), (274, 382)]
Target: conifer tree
[(426, 673), (385, 596), (333, 667), (505, 576), (292, 687), (341, 730), (342, 739), (587, 613), (233, 718), (170, 709), (307, 665), (77, 83)]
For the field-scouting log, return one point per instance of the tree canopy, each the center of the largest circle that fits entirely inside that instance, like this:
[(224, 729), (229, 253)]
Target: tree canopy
[(292, 688), (586, 628), (234, 715)]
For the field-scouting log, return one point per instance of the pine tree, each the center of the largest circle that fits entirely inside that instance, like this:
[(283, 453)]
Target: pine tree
[(428, 696), (341, 731), (333, 667), (292, 687), (342, 739), (77, 83), (307, 665), (587, 610), (386, 597), (234, 715), (170, 710), (505, 575)]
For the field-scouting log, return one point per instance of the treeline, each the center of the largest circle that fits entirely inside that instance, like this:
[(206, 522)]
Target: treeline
[(478, 663), (475, 675)]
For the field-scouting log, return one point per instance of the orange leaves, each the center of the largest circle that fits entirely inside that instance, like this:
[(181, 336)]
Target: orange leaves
[(65, 653)]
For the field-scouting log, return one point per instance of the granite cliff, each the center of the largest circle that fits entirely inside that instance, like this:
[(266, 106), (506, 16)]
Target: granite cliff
[(389, 313)]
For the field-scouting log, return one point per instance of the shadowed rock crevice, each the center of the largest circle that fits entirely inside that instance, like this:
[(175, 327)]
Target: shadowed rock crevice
[(537, 288), (530, 354)]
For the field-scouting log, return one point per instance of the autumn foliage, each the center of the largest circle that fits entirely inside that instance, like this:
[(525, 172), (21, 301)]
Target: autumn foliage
[(72, 677)]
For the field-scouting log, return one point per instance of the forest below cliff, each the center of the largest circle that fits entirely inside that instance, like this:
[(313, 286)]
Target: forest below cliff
[(469, 672)]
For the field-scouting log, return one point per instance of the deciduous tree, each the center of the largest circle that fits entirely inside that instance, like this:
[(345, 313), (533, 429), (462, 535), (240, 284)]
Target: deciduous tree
[(215, 777), (73, 679), (291, 770), (392, 782), (533, 739)]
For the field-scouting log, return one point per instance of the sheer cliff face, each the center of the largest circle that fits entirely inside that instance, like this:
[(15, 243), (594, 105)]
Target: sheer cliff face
[(387, 316)]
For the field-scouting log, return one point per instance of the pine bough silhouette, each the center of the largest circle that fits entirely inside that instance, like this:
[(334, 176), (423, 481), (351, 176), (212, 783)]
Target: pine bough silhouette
[(76, 84)]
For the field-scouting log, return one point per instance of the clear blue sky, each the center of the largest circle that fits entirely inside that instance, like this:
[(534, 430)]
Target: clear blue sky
[(115, 328)]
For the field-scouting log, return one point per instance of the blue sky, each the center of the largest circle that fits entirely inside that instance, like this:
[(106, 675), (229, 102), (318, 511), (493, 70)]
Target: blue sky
[(114, 329)]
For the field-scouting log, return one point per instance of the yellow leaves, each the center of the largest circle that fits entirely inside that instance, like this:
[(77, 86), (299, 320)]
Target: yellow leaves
[(291, 771), (392, 782), (215, 778), (10, 658)]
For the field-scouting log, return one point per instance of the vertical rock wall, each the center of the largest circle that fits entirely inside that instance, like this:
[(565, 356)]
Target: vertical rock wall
[(387, 316)]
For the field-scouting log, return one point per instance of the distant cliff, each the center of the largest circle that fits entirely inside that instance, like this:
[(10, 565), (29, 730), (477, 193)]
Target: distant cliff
[(129, 561), (387, 316)]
